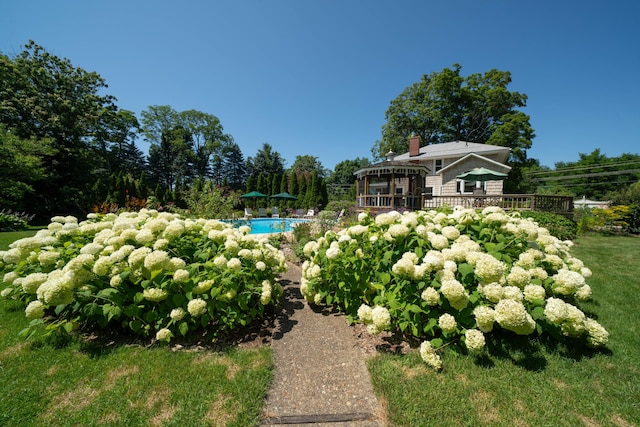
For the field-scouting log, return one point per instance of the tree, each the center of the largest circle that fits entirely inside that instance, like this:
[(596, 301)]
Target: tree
[(593, 176), (208, 138), (266, 162), (233, 168), (444, 106), (308, 164), (21, 163), (340, 183), (45, 97), (170, 161)]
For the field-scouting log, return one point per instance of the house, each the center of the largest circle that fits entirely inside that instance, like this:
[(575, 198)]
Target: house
[(411, 179)]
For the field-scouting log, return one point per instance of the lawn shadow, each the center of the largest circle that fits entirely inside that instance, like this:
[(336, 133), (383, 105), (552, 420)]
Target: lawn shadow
[(531, 353)]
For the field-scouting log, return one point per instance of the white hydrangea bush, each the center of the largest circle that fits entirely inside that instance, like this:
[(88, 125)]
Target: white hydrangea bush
[(154, 273), (452, 276)]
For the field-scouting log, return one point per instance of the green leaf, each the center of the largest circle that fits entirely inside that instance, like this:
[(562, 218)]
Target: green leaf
[(183, 327), (132, 310), (537, 313), (92, 309), (436, 343), (179, 300), (465, 269), (414, 309), (387, 257), (150, 316), (135, 325), (107, 293), (385, 277)]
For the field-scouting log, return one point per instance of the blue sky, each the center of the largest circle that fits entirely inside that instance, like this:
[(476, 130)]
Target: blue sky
[(316, 77)]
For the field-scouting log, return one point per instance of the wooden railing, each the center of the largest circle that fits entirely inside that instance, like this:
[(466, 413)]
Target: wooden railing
[(535, 202)]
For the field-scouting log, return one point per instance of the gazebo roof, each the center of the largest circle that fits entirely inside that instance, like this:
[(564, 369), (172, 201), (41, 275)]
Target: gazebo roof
[(389, 167)]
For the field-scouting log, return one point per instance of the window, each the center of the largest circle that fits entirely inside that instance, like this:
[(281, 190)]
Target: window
[(437, 165), (466, 187), (428, 193)]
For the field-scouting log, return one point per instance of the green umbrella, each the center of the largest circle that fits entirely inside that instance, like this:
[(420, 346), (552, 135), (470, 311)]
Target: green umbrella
[(284, 196), (482, 175), (254, 195)]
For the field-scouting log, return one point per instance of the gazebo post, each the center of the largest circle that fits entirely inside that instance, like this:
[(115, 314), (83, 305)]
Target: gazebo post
[(393, 189)]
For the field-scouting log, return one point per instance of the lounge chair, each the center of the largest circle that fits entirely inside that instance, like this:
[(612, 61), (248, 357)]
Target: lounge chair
[(248, 213), (274, 212), (262, 213), (310, 213)]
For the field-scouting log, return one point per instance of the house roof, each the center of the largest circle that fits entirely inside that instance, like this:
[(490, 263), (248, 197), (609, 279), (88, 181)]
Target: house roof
[(497, 165), (455, 149)]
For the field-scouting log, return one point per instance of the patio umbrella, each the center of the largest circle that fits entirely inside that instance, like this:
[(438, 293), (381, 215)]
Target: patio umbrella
[(284, 196), (254, 195), (482, 175)]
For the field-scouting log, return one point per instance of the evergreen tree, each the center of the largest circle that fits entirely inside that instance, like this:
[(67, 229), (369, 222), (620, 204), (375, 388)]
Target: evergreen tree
[(251, 183)]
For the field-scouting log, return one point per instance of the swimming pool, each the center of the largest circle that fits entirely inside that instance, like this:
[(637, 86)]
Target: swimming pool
[(269, 225)]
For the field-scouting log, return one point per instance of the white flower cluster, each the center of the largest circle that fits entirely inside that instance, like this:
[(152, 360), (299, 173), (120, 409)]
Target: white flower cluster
[(377, 318), (123, 251), (429, 355), (442, 264)]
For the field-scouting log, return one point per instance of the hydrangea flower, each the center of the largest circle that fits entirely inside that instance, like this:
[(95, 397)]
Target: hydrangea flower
[(512, 315), (597, 336), (177, 314), (534, 293), (485, 317), (197, 307), (181, 276), (431, 296), (202, 286), (156, 260), (35, 310), (155, 294), (164, 334), (474, 340), (429, 355), (447, 323)]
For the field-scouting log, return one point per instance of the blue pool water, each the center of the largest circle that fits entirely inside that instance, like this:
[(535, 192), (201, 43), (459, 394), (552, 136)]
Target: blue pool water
[(269, 225)]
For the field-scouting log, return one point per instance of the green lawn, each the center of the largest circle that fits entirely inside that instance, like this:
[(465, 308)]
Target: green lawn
[(540, 383), (45, 383)]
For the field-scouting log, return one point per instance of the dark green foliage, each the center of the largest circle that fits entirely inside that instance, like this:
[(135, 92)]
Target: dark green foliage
[(444, 106), (561, 227)]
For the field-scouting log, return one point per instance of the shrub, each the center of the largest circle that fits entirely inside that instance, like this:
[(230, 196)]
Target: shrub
[(14, 221), (610, 220), (451, 277), (151, 273), (559, 226)]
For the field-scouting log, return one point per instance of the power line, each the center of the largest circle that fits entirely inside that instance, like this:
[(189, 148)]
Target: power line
[(578, 168), (587, 175)]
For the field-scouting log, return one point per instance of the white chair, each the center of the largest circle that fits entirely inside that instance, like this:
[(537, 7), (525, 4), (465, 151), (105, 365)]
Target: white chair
[(274, 212), (310, 213), (262, 213), (248, 213)]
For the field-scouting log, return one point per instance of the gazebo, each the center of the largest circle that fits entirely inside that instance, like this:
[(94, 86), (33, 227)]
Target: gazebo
[(391, 184)]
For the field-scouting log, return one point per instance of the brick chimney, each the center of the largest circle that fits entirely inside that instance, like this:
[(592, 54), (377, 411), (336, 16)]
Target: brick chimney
[(414, 146)]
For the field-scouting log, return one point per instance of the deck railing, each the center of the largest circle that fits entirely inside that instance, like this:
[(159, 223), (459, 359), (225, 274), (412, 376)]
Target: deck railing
[(535, 202)]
